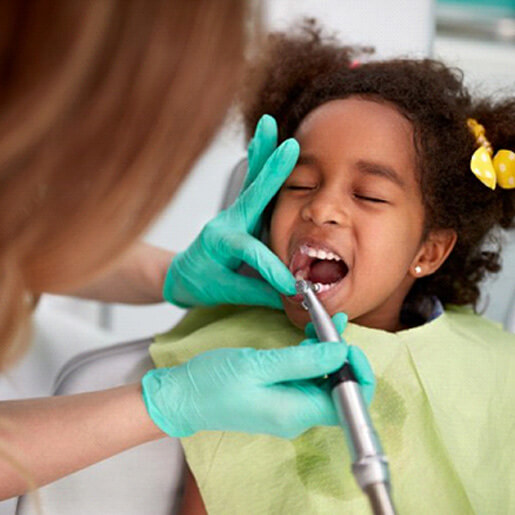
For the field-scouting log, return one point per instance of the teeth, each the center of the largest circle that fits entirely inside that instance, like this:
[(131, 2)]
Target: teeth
[(319, 254), (311, 252)]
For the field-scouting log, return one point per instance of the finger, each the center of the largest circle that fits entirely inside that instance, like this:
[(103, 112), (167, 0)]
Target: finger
[(257, 255), (248, 291), (309, 341), (299, 362), (261, 147), (309, 405), (362, 371), (310, 332), (339, 320), (252, 202), (323, 411)]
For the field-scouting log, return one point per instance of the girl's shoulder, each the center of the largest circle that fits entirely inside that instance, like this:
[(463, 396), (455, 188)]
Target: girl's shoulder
[(466, 317), (464, 322)]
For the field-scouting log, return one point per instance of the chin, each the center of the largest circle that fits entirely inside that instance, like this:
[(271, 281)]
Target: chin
[(297, 315)]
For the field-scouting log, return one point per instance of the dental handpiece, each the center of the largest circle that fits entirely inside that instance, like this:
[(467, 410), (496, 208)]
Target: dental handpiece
[(369, 464)]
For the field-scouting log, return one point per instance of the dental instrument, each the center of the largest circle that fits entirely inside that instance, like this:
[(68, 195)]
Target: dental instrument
[(369, 463)]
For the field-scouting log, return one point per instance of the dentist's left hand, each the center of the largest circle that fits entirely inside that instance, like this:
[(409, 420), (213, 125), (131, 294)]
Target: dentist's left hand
[(205, 273), (247, 390)]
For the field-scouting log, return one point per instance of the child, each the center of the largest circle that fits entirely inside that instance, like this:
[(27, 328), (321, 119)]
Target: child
[(387, 211)]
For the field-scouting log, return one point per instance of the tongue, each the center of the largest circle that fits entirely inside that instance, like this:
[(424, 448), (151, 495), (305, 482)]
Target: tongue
[(326, 272)]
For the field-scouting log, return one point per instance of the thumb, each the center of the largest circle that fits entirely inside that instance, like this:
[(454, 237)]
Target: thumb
[(300, 362), (363, 372), (251, 291)]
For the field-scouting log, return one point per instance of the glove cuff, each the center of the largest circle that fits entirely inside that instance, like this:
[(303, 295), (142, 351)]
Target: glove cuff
[(151, 386), (172, 283)]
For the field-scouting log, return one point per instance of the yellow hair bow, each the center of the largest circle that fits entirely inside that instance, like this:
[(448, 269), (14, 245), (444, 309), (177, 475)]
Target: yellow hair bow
[(499, 170)]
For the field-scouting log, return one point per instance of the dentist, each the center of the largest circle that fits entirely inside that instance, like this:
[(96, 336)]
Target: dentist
[(104, 107)]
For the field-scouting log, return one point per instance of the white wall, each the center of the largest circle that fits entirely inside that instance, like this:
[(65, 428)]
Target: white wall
[(393, 27)]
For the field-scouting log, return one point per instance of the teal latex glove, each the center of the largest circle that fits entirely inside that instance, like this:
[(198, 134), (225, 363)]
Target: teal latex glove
[(246, 390), (355, 356), (205, 273)]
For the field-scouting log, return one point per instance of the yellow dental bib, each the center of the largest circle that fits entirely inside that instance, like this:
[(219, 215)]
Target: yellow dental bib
[(444, 409)]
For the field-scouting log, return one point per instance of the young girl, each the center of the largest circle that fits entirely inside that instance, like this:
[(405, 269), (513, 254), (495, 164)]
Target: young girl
[(401, 182)]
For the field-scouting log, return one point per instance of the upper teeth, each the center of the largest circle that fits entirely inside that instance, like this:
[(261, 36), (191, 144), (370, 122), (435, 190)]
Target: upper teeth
[(319, 254)]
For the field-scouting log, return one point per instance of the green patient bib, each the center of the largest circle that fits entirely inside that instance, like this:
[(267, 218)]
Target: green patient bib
[(444, 410)]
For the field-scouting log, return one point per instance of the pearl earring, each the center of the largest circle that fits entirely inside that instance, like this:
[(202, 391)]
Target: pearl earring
[(418, 269)]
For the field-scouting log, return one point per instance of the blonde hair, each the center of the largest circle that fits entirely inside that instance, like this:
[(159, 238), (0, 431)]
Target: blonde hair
[(105, 104)]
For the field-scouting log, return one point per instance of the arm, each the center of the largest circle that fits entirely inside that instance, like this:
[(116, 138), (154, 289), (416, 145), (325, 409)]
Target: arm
[(136, 279), (192, 503), (52, 437), (253, 391)]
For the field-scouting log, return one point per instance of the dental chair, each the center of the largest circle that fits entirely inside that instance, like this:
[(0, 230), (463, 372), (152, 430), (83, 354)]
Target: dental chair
[(145, 479)]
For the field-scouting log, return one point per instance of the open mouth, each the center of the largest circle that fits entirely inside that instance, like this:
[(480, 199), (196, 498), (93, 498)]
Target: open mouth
[(322, 267)]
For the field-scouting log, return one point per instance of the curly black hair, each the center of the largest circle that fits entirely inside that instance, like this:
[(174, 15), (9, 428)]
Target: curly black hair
[(296, 73)]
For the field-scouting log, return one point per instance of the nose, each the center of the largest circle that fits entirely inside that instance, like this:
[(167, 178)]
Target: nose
[(324, 207)]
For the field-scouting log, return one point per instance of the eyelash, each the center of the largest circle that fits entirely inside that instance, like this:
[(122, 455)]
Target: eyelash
[(360, 197), (371, 199), (298, 188)]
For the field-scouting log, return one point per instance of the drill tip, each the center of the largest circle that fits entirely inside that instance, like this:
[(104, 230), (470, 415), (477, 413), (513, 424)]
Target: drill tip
[(303, 286)]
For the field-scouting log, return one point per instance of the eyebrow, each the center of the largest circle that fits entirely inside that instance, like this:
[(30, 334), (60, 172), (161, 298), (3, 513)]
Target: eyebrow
[(365, 167), (308, 159), (381, 170)]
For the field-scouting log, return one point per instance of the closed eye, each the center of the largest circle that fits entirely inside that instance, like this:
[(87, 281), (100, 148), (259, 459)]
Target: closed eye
[(371, 199), (293, 187)]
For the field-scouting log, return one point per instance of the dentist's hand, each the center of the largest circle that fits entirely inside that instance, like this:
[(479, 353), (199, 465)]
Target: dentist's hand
[(205, 273), (355, 356), (248, 390)]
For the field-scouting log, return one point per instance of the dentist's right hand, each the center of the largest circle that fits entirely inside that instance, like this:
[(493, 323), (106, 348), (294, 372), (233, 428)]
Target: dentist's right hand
[(247, 390)]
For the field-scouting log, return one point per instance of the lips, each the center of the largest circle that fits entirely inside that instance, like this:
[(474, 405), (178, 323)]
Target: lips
[(318, 263)]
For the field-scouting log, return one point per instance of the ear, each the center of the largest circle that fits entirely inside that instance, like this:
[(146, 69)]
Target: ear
[(433, 252)]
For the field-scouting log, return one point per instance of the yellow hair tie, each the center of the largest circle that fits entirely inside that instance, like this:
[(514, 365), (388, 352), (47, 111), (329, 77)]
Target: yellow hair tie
[(499, 170)]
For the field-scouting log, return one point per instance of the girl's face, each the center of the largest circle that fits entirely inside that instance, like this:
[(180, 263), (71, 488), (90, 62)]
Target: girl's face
[(350, 216)]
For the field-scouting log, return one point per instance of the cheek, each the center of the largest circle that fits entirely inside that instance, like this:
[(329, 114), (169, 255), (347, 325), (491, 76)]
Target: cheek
[(398, 238)]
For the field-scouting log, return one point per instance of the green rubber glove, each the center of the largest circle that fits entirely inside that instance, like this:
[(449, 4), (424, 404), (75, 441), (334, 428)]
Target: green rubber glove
[(355, 356), (247, 390), (205, 273)]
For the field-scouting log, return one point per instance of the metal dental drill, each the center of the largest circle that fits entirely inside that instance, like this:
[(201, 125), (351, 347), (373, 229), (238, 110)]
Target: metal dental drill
[(369, 464)]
